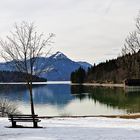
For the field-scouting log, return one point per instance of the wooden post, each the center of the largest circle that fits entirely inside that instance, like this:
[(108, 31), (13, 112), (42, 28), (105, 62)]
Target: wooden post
[(35, 124), (13, 124)]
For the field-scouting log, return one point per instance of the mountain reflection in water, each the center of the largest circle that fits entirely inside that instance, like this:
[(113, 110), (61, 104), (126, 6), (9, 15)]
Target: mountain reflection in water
[(58, 99)]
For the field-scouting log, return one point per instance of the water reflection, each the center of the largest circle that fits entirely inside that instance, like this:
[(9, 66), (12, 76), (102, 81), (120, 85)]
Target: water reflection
[(58, 99), (114, 97), (42, 94), (59, 95)]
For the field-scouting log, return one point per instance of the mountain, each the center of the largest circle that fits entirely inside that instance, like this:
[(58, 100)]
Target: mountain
[(84, 65), (57, 67)]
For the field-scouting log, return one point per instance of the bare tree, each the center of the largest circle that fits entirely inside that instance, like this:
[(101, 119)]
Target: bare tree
[(7, 107), (23, 47), (132, 44), (132, 47)]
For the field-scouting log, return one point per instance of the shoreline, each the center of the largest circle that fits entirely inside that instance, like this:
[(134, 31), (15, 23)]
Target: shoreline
[(123, 116), (122, 85), (98, 84), (64, 82)]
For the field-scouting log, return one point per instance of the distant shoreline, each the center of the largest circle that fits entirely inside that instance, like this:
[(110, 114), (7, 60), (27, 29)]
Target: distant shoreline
[(69, 83), (98, 84), (66, 82)]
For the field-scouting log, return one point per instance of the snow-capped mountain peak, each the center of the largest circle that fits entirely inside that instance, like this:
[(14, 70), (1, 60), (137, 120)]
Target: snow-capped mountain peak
[(59, 55)]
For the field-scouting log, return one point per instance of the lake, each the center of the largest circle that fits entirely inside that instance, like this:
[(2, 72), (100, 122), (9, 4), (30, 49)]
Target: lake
[(59, 99)]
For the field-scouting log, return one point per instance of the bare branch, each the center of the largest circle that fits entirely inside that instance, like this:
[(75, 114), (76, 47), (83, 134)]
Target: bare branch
[(132, 44)]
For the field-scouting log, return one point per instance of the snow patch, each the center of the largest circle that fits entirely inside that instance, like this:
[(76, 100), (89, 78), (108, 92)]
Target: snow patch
[(59, 55), (74, 129)]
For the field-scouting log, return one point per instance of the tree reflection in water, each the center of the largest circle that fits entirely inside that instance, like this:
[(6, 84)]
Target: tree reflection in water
[(110, 96)]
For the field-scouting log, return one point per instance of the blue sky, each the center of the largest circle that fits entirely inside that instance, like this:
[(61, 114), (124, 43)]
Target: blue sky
[(87, 30)]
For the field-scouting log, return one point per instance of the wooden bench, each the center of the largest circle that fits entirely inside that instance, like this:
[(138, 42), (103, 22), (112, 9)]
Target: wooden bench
[(24, 118)]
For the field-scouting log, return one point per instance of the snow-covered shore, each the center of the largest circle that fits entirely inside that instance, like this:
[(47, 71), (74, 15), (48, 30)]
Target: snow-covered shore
[(74, 129)]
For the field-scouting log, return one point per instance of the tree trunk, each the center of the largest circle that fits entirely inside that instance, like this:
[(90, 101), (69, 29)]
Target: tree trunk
[(31, 98)]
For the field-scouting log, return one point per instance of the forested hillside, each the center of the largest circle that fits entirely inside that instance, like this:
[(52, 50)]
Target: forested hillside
[(8, 76), (113, 71), (117, 70)]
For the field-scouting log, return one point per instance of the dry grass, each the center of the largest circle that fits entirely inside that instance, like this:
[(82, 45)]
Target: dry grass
[(125, 116)]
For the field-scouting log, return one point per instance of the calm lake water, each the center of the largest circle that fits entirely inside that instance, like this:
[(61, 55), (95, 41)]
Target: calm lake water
[(65, 99)]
